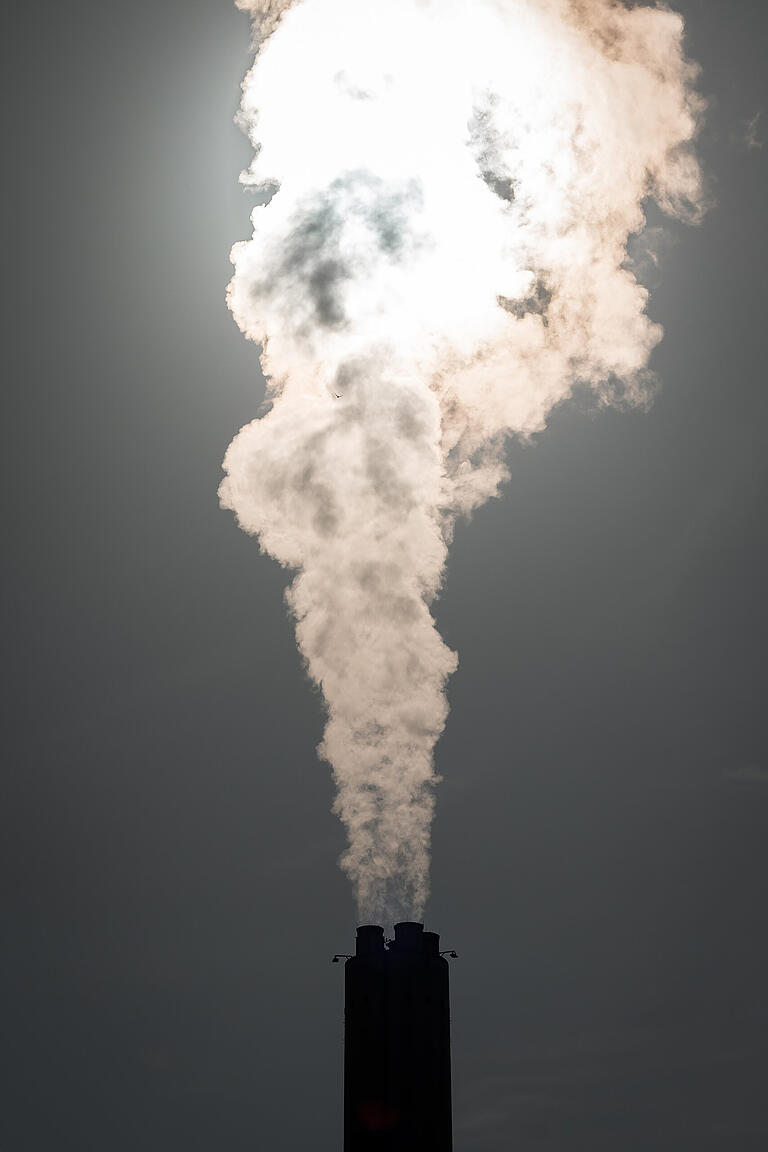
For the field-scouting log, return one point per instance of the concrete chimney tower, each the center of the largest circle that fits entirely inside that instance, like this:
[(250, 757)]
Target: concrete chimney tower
[(397, 1057)]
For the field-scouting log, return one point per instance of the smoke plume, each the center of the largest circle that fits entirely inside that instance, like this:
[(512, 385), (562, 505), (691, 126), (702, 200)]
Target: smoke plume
[(448, 190)]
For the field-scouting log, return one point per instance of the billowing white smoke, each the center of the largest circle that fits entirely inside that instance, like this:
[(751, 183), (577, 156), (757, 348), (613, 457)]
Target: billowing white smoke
[(443, 258)]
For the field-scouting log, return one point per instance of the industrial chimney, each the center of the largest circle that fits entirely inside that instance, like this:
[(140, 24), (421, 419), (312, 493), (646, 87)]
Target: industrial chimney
[(397, 1058)]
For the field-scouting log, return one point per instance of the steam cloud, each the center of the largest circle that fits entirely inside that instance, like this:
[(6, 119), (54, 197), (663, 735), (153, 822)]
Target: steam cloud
[(449, 190)]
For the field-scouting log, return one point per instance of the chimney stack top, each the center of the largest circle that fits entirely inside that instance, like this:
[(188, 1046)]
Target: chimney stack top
[(409, 935), (370, 940)]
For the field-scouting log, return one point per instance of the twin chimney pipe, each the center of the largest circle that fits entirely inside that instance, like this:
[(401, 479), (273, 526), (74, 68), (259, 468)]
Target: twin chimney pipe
[(397, 1055)]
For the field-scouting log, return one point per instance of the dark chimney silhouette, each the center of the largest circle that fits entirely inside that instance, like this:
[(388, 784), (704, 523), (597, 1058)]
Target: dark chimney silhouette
[(397, 1055)]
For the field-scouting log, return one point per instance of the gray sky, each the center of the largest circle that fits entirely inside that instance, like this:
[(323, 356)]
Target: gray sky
[(600, 849)]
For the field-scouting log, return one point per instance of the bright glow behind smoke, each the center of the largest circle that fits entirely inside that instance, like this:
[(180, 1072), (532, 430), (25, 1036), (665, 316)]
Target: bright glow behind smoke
[(445, 258)]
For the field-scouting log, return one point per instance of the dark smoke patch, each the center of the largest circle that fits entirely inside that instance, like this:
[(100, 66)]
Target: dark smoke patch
[(536, 303), (487, 144), (383, 476), (320, 500), (324, 282), (501, 185), (386, 211), (389, 221), (312, 260), (346, 374)]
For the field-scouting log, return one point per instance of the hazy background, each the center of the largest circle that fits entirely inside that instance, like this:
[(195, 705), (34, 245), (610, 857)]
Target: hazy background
[(601, 842)]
